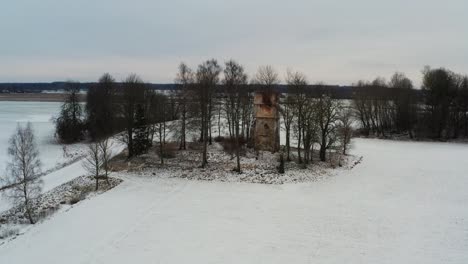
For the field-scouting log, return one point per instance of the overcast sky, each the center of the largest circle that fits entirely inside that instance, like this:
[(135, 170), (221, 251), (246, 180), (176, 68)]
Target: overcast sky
[(337, 42)]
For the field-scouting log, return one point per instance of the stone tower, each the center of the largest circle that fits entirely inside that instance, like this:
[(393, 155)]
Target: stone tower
[(267, 127)]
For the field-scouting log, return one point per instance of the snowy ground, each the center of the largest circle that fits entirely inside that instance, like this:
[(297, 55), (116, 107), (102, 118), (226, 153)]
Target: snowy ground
[(405, 203)]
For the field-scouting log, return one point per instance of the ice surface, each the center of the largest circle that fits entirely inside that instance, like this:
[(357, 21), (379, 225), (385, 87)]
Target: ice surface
[(40, 115)]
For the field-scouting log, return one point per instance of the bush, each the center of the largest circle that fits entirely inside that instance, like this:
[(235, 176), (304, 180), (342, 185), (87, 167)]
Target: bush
[(69, 131), (79, 193), (169, 151), (219, 139), (229, 145), (8, 232), (194, 146)]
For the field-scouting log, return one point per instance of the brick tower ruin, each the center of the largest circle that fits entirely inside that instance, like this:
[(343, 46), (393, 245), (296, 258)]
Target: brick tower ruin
[(267, 129)]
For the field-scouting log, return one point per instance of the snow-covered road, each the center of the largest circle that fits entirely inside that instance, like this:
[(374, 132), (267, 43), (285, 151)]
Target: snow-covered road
[(405, 203)]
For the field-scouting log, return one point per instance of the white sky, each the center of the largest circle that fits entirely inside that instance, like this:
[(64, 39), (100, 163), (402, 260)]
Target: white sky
[(337, 42)]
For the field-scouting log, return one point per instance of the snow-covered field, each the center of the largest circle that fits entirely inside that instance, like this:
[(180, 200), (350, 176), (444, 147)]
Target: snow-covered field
[(405, 203)]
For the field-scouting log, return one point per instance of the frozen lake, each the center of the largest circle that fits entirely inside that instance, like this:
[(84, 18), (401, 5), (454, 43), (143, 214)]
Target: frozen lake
[(40, 115)]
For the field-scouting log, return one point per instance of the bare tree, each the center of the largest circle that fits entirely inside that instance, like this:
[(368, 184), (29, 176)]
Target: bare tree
[(160, 125), (373, 104), (207, 79), (302, 99), (105, 147), (185, 79), (266, 78), (235, 82), (362, 106), (93, 161), (293, 106), (345, 128), (23, 170), (247, 114), (287, 113), (327, 116), (309, 128)]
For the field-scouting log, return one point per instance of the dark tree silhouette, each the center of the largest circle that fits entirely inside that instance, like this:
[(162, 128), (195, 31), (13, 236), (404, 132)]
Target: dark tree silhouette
[(132, 97), (101, 108), (69, 126)]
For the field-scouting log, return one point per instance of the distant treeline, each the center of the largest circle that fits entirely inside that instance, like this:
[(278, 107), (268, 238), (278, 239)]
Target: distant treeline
[(57, 86), (338, 92), (438, 111)]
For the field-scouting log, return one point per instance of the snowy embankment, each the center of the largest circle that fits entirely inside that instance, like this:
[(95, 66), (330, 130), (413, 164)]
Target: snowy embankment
[(64, 174), (405, 203)]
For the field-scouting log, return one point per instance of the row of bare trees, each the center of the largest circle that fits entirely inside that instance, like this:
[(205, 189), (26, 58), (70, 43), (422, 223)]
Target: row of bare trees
[(203, 93), (439, 110), (313, 118), (208, 93)]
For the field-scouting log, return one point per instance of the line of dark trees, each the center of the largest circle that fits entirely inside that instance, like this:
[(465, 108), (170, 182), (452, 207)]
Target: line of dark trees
[(439, 111), (130, 107), (139, 114)]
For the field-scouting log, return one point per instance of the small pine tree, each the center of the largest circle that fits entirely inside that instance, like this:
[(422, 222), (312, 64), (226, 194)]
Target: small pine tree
[(141, 139), (69, 125)]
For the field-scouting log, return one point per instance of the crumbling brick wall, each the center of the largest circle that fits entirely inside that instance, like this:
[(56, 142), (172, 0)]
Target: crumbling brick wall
[(267, 127)]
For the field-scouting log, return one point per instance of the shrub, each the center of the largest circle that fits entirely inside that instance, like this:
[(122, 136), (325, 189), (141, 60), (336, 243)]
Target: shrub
[(229, 145), (169, 151), (219, 139), (8, 232)]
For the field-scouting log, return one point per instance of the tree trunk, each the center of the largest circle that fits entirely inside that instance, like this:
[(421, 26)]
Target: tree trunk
[(205, 142), (29, 213), (299, 159), (182, 136), (219, 123), (288, 147), (130, 142), (323, 148), (161, 148), (238, 148)]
